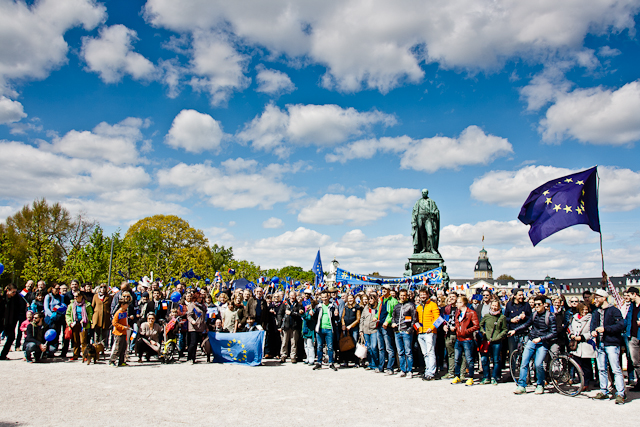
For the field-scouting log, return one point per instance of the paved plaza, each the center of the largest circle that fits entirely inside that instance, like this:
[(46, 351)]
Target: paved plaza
[(73, 394)]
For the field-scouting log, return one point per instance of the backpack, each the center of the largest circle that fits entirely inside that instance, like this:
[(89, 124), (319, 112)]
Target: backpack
[(546, 317)]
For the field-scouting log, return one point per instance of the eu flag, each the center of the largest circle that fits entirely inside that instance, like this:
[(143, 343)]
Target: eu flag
[(317, 269), (561, 203), (244, 348)]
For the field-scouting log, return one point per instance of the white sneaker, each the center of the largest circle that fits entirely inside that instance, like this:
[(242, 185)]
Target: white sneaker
[(410, 375)]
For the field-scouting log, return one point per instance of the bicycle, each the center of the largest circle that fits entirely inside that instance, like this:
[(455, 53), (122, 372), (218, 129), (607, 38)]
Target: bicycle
[(563, 372)]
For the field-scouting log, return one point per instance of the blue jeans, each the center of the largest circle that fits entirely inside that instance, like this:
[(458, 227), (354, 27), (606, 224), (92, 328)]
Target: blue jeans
[(405, 355), (428, 347), (494, 354), (467, 347), (373, 350), (325, 336), (387, 337), (540, 351), (31, 348), (612, 354)]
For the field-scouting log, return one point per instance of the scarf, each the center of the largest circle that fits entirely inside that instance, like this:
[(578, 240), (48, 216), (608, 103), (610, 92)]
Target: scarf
[(74, 313), (494, 313)]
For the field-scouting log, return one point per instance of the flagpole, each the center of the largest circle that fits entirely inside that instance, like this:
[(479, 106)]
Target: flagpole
[(604, 275)]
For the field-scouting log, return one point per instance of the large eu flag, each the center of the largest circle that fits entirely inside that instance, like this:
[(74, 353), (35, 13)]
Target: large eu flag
[(244, 348), (561, 203), (317, 269)]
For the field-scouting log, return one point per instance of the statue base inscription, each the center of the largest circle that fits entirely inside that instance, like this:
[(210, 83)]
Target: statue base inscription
[(422, 262)]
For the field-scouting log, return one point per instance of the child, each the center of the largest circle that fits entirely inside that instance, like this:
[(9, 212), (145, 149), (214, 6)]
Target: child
[(251, 326), (23, 325), (120, 327)]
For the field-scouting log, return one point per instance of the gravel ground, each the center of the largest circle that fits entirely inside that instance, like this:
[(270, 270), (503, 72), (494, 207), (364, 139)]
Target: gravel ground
[(73, 394)]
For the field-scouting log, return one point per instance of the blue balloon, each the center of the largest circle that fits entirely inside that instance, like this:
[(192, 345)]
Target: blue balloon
[(275, 280), (541, 289), (62, 309), (50, 335), (297, 283), (1, 268), (175, 297)]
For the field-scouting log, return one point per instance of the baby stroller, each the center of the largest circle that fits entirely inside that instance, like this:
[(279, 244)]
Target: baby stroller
[(170, 350)]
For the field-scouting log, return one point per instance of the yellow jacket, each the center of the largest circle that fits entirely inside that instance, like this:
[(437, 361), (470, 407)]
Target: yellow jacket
[(427, 314)]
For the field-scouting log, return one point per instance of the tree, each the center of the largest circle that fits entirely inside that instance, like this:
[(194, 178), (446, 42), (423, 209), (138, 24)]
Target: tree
[(89, 262), (505, 277), (633, 272)]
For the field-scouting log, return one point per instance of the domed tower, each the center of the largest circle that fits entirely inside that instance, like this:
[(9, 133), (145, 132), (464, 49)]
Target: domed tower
[(483, 268)]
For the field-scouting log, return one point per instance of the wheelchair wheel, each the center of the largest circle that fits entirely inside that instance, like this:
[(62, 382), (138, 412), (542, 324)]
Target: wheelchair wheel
[(171, 353), (566, 375)]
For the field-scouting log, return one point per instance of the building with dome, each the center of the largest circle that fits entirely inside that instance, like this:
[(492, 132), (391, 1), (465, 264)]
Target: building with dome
[(483, 269)]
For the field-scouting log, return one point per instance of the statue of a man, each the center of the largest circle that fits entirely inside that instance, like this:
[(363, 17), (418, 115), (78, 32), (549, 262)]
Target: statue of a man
[(425, 222)]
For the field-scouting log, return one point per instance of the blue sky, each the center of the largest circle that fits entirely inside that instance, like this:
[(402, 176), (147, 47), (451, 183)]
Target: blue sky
[(279, 128)]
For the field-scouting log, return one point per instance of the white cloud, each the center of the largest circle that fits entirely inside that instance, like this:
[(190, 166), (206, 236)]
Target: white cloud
[(231, 190), (546, 86), (380, 45), (608, 52), (32, 36), (115, 143), (619, 188), (6, 211), (338, 208), (32, 173), (111, 55), (596, 116), (321, 125), (472, 147), (195, 132), (10, 111), (116, 207), (273, 82), (273, 222), (219, 66)]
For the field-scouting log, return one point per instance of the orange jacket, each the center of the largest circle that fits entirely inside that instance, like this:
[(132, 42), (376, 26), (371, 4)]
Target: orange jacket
[(120, 325), (427, 314)]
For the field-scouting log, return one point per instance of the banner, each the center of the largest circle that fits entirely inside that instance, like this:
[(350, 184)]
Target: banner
[(433, 276), (243, 348)]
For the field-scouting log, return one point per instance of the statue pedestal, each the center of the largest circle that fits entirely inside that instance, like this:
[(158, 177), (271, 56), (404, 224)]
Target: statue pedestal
[(424, 262)]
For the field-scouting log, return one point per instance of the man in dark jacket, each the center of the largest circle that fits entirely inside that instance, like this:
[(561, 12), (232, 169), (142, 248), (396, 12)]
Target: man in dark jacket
[(543, 332), (518, 312), (607, 326), (290, 321), (402, 320), (14, 308)]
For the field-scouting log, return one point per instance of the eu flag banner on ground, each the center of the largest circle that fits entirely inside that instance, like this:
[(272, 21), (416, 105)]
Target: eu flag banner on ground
[(243, 348), (561, 203), (317, 269)]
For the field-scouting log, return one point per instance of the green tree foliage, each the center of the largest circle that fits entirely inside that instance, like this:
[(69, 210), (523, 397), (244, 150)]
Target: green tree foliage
[(505, 277)]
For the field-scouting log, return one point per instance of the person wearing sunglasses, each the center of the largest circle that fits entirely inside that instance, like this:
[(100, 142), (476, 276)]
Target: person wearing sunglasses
[(543, 331)]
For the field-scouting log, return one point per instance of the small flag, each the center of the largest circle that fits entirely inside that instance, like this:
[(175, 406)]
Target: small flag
[(232, 271), (617, 298), (23, 293), (317, 269)]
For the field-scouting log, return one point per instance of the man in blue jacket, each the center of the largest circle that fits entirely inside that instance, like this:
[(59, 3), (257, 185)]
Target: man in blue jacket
[(607, 327), (633, 332), (543, 332)]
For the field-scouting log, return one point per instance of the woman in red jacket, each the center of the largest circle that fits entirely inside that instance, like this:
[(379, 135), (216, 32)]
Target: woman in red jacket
[(466, 324)]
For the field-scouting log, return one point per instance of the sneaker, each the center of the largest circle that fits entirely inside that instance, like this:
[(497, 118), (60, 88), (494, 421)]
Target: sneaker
[(378, 371), (29, 361), (317, 366), (294, 361), (494, 382), (539, 390), (113, 364), (456, 380), (520, 390), (123, 364), (619, 400), (283, 359), (601, 396), (485, 381), (448, 377), (388, 372), (410, 375), (332, 366), (402, 375), (428, 378), (469, 382)]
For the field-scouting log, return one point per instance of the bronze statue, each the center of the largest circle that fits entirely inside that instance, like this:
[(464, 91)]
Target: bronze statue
[(425, 221)]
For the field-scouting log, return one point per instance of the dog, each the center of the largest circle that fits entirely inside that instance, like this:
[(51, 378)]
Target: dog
[(92, 351)]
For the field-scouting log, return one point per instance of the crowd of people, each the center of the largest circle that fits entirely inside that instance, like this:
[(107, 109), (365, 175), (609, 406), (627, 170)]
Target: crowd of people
[(427, 333)]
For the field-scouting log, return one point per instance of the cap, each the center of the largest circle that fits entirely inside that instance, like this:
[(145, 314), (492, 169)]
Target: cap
[(386, 287), (332, 289), (602, 293), (308, 291), (145, 295)]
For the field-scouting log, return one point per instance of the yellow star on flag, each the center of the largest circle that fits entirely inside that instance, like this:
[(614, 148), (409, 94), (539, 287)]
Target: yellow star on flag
[(545, 192), (567, 209), (579, 210), (557, 208), (568, 180), (580, 182), (548, 201)]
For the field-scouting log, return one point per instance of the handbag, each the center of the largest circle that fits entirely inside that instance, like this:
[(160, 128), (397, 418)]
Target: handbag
[(484, 347), (67, 333), (572, 345), (346, 343), (361, 350)]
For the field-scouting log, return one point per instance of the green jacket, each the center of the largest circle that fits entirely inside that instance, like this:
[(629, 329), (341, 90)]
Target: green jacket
[(494, 328), (391, 304), (69, 315)]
